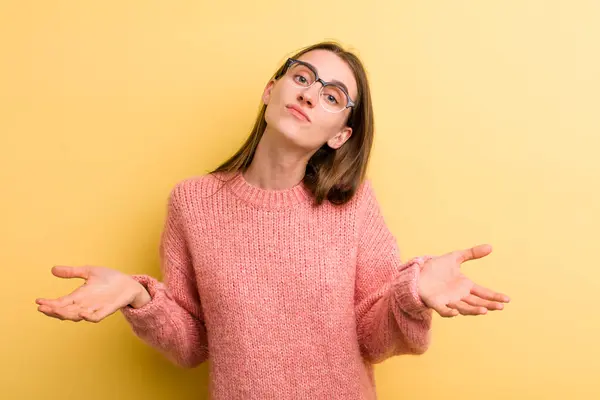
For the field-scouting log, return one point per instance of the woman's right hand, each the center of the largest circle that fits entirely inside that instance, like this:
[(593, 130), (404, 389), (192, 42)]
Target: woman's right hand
[(103, 292)]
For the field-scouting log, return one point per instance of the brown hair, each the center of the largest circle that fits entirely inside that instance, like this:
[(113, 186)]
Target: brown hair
[(332, 174)]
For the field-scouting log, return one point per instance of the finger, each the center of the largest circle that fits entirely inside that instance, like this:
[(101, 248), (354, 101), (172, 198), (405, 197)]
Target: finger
[(49, 311), (56, 313), (489, 294), (70, 312), (64, 271), (63, 301), (479, 302), (445, 311), (90, 315), (99, 314), (474, 253), (59, 302), (466, 309)]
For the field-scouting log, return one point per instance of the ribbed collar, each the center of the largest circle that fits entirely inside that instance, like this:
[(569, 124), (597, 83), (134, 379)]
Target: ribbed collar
[(268, 198)]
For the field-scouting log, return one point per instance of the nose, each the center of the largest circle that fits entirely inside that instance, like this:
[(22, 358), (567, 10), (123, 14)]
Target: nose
[(307, 96)]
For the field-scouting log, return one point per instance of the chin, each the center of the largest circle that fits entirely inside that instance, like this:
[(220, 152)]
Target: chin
[(288, 129)]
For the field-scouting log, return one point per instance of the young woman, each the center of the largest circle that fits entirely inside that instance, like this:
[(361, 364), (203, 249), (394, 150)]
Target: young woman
[(278, 265)]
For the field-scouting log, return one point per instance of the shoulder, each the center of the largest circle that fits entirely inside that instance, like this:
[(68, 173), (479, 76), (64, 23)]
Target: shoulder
[(364, 195), (192, 188), (367, 207), (361, 202)]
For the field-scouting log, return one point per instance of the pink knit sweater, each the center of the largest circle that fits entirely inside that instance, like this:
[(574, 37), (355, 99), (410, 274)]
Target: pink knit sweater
[(286, 300)]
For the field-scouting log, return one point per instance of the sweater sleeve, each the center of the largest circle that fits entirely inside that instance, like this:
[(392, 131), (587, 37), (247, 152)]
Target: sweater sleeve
[(172, 322), (391, 318)]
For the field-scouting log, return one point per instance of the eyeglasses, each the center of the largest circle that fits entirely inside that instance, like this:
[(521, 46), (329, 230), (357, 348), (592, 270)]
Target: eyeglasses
[(333, 96)]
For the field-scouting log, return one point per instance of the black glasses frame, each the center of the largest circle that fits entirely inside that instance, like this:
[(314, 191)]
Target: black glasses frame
[(291, 61)]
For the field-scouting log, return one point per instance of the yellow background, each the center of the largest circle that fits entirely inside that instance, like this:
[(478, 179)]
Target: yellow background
[(487, 131)]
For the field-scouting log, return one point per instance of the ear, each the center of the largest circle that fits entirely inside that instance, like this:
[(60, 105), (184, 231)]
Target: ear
[(338, 140), (267, 92)]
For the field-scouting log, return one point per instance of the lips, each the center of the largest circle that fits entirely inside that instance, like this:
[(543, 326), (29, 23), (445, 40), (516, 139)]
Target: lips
[(297, 112)]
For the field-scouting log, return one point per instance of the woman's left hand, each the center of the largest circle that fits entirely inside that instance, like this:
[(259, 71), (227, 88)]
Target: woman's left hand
[(444, 288)]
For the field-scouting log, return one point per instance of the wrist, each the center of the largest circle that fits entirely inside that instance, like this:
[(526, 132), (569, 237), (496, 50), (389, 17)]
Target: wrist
[(408, 290), (422, 284), (142, 297)]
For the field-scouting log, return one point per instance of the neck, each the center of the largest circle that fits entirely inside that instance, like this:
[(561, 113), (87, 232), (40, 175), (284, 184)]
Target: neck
[(276, 165)]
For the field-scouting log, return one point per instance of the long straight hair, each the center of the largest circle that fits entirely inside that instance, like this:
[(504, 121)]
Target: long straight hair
[(332, 174)]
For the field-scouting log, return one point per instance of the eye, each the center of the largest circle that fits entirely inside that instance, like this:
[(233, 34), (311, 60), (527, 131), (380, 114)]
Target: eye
[(332, 95), (301, 75), (300, 79)]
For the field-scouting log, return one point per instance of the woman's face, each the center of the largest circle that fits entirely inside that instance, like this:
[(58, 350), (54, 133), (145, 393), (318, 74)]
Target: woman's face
[(299, 110)]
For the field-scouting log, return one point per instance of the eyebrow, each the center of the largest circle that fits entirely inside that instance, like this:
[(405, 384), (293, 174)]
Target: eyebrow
[(340, 83)]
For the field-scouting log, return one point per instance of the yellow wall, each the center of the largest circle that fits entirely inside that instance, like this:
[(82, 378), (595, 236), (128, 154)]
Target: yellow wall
[(487, 131)]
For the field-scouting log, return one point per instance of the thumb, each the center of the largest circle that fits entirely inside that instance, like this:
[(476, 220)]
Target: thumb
[(64, 271), (474, 253)]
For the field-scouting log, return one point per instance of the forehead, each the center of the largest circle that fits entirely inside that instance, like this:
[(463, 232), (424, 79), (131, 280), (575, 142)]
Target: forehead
[(330, 67)]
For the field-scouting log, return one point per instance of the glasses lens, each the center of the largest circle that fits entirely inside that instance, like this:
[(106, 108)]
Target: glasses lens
[(332, 98), (301, 75)]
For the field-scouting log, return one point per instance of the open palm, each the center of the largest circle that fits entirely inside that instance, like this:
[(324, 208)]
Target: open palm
[(444, 288), (104, 291)]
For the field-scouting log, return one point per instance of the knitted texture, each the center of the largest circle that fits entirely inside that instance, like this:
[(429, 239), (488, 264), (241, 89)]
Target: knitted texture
[(285, 299)]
